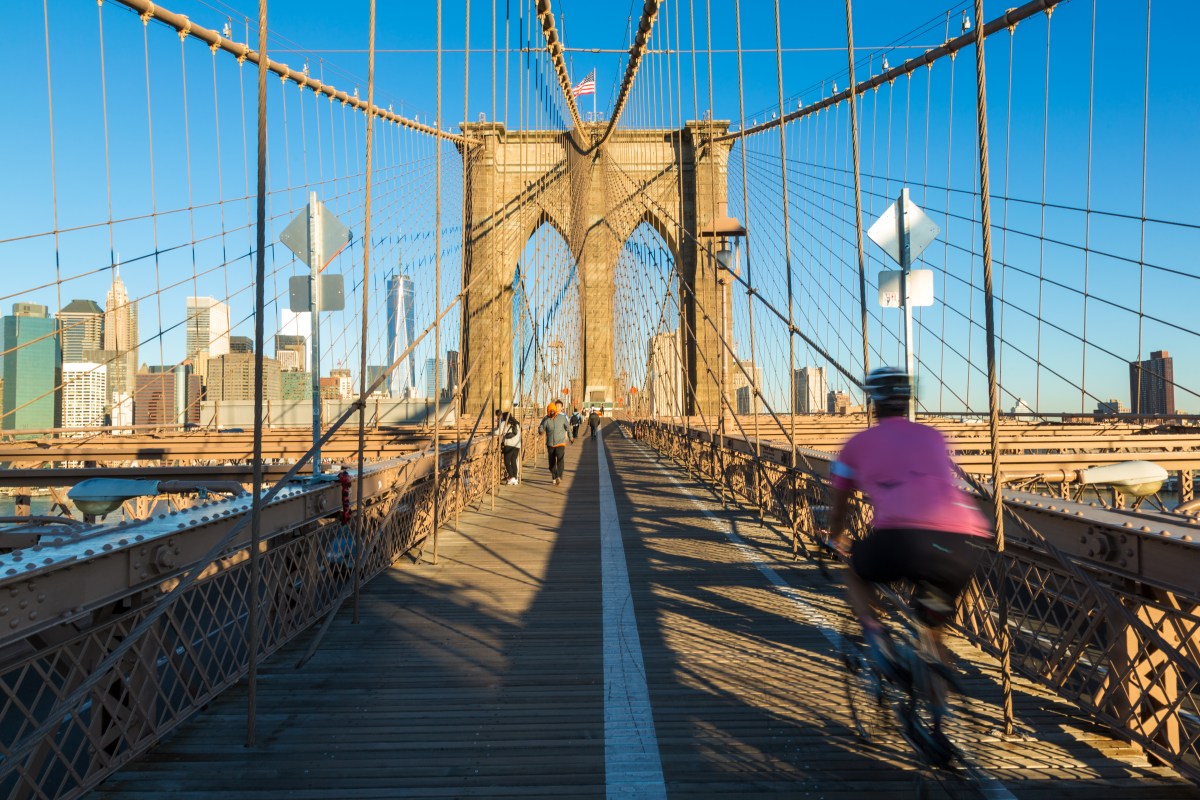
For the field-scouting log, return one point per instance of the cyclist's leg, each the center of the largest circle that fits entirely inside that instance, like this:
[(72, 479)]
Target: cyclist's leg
[(944, 567), (873, 561)]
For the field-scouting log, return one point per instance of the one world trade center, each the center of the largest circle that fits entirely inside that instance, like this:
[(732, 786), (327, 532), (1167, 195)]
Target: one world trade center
[(401, 330)]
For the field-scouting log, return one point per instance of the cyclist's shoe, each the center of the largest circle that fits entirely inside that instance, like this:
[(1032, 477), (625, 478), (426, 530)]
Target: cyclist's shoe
[(939, 751), (942, 752)]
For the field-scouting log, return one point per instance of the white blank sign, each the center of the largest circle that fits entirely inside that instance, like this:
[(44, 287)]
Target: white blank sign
[(920, 288)]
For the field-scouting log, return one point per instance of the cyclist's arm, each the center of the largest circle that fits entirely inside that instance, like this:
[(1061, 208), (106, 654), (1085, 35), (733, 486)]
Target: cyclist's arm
[(843, 477), (837, 520)]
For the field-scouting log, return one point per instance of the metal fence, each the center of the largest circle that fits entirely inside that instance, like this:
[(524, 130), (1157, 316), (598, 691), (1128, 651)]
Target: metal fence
[(71, 715)]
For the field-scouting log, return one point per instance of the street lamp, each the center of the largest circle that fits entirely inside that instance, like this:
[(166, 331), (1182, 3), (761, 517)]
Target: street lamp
[(98, 497)]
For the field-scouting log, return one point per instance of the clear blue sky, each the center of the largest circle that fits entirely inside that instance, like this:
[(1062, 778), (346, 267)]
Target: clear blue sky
[(333, 36)]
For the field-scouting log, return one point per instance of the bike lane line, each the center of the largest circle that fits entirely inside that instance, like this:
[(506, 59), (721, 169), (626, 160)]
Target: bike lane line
[(632, 764)]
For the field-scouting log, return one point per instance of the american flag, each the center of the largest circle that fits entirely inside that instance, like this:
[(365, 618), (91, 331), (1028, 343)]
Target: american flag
[(585, 86)]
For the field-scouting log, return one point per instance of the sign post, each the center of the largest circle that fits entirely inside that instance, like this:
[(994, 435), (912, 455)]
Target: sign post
[(905, 265), (314, 303), (903, 231), (316, 237)]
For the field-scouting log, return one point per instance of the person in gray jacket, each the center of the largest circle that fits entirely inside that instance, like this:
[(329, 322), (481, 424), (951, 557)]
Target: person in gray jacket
[(558, 433)]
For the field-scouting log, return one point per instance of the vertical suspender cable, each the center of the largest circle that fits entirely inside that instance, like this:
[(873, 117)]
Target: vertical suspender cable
[(494, 371), (1037, 383), (1140, 408), (466, 177), (787, 249), (754, 388), (259, 280), (1087, 216), (718, 283), (360, 522), (858, 214), (437, 295), (985, 212)]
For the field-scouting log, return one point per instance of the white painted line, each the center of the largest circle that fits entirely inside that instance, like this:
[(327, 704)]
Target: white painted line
[(632, 766), (989, 787)]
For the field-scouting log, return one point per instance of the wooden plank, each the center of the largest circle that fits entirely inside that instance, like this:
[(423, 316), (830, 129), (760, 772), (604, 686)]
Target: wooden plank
[(482, 676)]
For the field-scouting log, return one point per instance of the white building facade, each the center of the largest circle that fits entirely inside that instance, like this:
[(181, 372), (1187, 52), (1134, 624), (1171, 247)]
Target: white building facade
[(84, 393)]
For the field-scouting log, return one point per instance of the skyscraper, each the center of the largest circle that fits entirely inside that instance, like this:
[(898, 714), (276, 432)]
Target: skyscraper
[(344, 382), (84, 394), (207, 327), (187, 393), (837, 403), (81, 329), (809, 390), (435, 378), (120, 338), (373, 373), (154, 398), (744, 400), (231, 377), (32, 369), (291, 351), (452, 371), (1152, 385), (295, 385), (401, 330)]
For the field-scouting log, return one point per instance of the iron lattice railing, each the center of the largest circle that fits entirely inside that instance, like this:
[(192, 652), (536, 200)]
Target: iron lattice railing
[(1126, 651), (54, 747)]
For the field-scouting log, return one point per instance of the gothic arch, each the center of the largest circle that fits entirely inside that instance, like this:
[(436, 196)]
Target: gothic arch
[(519, 180)]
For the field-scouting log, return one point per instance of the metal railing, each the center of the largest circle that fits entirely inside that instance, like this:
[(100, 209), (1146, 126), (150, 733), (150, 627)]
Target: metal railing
[(1101, 610), (58, 739)]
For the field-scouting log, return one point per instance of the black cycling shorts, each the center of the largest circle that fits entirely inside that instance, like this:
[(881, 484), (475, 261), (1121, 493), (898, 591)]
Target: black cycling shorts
[(945, 560)]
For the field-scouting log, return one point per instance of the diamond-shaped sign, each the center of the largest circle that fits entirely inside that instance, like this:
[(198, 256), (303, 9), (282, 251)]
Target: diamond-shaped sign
[(333, 237), (921, 230)]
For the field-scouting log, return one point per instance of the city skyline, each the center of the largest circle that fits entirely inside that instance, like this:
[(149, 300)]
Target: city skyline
[(171, 260)]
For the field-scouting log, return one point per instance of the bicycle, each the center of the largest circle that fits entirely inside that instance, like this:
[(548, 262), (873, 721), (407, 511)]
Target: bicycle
[(909, 687)]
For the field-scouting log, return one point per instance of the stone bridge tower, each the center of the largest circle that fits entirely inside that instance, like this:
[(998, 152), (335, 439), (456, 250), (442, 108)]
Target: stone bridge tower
[(517, 180)]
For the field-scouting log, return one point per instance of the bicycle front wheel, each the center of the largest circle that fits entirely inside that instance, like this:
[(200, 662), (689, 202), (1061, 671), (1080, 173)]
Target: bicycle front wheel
[(864, 692)]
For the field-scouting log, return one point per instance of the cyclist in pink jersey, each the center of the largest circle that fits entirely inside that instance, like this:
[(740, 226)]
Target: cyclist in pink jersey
[(925, 529)]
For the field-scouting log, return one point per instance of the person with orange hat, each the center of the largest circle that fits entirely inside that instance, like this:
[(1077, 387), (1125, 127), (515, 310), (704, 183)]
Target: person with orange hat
[(558, 432)]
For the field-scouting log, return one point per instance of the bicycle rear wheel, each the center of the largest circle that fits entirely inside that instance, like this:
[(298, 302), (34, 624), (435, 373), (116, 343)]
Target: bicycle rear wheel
[(925, 712), (864, 692)]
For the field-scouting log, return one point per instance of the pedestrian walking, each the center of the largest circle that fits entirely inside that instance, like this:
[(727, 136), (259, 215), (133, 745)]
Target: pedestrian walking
[(511, 446), (594, 421), (558, 433), (576, 421)]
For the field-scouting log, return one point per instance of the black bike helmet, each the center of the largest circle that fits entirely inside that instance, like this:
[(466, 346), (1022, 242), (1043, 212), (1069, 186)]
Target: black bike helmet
[(889, 388)]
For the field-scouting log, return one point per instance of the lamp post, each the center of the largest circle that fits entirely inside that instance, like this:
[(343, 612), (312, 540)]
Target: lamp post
[(724, 233)]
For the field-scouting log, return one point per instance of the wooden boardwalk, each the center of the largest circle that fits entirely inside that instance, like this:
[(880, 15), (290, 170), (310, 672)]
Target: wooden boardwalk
[(513, 668)]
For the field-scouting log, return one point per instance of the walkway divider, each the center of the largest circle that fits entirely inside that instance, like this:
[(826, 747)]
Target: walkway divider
[(632, 765)]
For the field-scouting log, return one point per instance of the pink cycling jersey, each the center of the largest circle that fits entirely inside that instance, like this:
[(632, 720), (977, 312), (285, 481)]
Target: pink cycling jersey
[(905, 470)]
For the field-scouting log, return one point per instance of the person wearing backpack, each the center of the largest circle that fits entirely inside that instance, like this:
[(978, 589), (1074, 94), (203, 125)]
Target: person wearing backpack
[(576, 421), (594, 421), (511, 447)]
